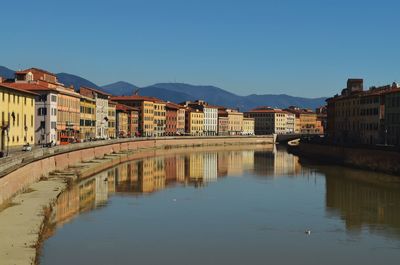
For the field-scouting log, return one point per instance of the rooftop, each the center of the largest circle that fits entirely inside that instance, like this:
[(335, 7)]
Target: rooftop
[(17, 87), (34, 69)]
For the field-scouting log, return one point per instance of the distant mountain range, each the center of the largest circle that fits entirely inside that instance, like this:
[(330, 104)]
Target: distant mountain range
[(179, 92)]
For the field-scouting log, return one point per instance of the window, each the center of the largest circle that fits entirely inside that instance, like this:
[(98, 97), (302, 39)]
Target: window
[(53, 124)]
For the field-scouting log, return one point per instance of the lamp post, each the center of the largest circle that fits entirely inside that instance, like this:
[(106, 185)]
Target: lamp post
[(26, 134), (8, 138), (386, 131)]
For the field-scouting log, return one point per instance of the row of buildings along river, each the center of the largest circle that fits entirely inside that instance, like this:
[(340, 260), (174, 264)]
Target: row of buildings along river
[(37, 109)]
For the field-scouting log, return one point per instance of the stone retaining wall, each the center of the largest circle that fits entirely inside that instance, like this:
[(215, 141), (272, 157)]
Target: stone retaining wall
[(60, 159), (370, 159)]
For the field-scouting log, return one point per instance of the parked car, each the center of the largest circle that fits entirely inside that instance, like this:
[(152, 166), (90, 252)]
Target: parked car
[(27, 147)]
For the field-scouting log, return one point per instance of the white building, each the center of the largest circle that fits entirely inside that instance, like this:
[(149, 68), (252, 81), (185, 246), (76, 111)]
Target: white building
[(210, 116), (210, 120), (290, 122), (46, 118)]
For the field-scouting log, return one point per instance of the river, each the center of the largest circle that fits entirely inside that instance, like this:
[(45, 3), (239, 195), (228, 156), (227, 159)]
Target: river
[(226, 207)]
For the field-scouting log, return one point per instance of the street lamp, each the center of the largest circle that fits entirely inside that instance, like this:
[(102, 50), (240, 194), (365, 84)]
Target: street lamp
[(386, 131), (8, 137)]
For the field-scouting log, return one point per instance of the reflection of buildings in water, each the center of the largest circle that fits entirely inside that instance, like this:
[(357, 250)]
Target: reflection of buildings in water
[(67, 205), (285, 163), (101, 188), (235, 163), (194, 166), (248, 160), (126, 177), (210, 167), (360, 203), (111, 180), (151, 174), (159, 173), (170, 169), (145, 172), (222, 164), (87, 194), (276, 163), (264, 163), (180, 168)]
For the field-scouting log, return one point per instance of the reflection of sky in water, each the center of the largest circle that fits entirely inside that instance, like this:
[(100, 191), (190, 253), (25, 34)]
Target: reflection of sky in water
[(172, 210)]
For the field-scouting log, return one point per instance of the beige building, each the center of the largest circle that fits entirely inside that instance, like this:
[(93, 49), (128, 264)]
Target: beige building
[(112, 120), (248, 126), (268, 120), (235, 122)]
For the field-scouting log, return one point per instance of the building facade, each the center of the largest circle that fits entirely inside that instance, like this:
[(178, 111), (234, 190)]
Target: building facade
[(112, 120), (248, 126), (269, 121), (307, 121), (87, 119), (159, 118), (145, 105), (122, 121), (223, 123), (357, 116), (171, 119), (392, 117), (102, 118), (210, 116), (194, 122), (17, 117), (45, 110), (68, 115), (235, 122)]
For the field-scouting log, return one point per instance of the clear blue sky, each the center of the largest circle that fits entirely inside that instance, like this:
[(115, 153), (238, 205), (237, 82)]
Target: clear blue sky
[(303, 48)]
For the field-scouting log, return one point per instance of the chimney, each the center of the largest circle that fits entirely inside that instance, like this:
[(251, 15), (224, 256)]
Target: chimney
[(1, 79)]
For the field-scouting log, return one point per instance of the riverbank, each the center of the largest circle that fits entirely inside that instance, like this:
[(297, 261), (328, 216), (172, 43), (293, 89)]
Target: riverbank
[(23, 215), (361, 158)]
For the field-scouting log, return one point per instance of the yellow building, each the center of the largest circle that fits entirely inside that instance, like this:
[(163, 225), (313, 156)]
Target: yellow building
[(159, 118), (248, 126), (235, 122), (112, 120), (87, 119), (17, 120), (194, 121), (146, 111)]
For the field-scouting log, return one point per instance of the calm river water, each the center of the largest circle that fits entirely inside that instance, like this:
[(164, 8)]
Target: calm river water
[(227, 207)]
